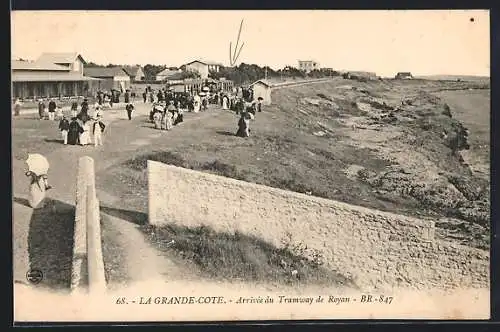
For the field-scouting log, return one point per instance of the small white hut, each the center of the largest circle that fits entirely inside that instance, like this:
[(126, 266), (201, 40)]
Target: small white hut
[(262, 88)]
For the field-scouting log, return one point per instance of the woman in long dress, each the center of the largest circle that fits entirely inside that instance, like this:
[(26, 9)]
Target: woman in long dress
[(180, 117), (168, 120), (197, 103), (163, 123), (85, 135), (157, 119), (225, 102), (38, 167), (37, 189), (74, 132), (244, 125)]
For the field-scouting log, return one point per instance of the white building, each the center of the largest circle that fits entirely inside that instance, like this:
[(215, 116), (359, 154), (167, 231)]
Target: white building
[(203, 67), (308, 65), (262, 88)]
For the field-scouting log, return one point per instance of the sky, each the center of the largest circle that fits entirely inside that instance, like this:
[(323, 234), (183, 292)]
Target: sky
[(446, 42)]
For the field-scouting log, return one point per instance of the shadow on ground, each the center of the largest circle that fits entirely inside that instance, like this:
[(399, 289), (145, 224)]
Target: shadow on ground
[(50, 242), (48, 140), (135, 217), (241, 257), (225, 133)]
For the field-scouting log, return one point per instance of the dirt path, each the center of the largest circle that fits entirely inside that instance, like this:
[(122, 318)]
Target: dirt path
[(141, 261)]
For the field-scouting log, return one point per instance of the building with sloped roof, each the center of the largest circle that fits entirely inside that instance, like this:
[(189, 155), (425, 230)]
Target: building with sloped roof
[(135, 73), (262, 88), (73, 61), (45, 79), (110, 78)]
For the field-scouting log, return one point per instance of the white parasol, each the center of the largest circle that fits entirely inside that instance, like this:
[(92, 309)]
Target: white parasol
[(206, 89), (37, 164)]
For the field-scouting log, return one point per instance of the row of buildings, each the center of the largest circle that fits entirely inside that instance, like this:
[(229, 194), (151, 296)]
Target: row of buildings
[(67, 74)]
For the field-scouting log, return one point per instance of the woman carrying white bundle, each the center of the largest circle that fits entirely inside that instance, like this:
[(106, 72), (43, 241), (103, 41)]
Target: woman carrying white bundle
[(38, 167)]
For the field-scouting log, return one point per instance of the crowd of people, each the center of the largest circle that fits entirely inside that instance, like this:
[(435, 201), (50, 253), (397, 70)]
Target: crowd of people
[(169, 107), (83, 128), (108, 98), (165, 116)]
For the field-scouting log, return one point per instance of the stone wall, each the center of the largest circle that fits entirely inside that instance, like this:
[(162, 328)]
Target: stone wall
[(376, 249), (87, 272)]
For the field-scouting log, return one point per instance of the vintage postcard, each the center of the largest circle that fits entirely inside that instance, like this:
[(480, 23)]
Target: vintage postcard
[(250, 165)]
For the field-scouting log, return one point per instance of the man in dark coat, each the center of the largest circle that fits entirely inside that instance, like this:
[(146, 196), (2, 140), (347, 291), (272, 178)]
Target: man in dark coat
[(64, 128), (129, 109), (127, 97), (52, 109), (259, 105), (85, 106), (117, 97), (74, 132), (145, 96)]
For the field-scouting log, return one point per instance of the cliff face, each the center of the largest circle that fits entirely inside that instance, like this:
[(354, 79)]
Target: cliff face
[(415, 132)]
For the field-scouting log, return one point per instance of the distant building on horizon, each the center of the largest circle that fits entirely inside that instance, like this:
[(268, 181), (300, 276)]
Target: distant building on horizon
[(167, 74), (360, 75), (308, 65), (203, 67), (403, 76)]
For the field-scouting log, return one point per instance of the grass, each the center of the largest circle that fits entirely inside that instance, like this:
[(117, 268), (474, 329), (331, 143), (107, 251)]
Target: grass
[(171, 158), (237, 256), (286, 178)]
